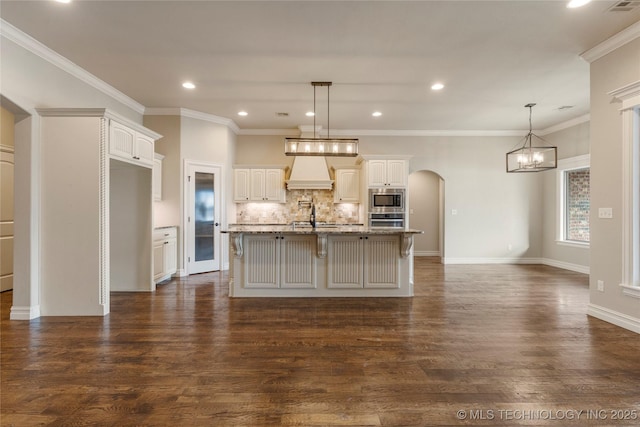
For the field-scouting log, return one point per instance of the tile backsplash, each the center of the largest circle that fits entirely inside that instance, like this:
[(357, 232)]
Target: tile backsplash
[(298, 208)]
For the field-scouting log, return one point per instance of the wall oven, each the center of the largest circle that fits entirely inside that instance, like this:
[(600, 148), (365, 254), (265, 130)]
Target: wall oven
[(395, 220), (386, 200)]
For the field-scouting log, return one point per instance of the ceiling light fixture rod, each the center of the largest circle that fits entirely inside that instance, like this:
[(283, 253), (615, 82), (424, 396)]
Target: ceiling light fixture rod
[(328, 85)]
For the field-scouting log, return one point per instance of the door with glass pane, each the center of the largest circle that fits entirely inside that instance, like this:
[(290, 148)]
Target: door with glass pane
[(203, 220)]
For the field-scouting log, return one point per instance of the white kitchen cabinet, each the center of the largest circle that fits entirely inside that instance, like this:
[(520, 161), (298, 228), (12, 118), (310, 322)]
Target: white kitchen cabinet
[(157, 177), (347, 186), (387, 173), (165, 253), (259, 185), (363, 262), (130, 146), (241, 185), (280, 261), (344, 261)]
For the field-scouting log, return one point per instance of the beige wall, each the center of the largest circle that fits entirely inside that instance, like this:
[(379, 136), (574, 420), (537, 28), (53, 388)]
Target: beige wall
[(571, 142), (615, 70)]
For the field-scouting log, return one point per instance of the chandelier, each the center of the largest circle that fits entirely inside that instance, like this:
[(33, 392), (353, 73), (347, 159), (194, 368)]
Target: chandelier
[(532, 157), (345, 147)]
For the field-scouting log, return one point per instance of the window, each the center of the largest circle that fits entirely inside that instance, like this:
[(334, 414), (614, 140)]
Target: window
[(573, 177), (576, 198)]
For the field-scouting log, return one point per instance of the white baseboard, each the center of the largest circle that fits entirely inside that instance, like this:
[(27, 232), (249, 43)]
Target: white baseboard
[(426, 253), (24, 312), (614, 317), (566, 265), (181, 273), (491, 261)]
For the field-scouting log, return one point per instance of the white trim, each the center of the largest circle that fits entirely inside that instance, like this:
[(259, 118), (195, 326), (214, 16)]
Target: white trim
[(97, 112), (565, 125), (426, 253), (614, 317), (564, 165), (185, 112), (27, 42), (491, 261), (24, 312), (612, 43), (629, 95), (566, 265), (573, 244), (631, 291)]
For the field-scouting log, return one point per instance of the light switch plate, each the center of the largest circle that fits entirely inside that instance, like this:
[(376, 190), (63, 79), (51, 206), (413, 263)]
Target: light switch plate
[(606, 213)]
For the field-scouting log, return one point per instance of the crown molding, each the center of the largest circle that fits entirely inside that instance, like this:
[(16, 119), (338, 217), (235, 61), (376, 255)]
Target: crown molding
[(27, 42), (625, 36), (629, 95), (192, 114), (565, 125), (375, 132), (270, 132)]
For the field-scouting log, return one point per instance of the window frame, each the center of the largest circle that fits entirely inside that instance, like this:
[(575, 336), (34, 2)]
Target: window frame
[(630, 97), (564, 166)]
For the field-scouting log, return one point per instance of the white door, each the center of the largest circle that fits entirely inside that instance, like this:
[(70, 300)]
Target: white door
[(203, 218), (6, 218)]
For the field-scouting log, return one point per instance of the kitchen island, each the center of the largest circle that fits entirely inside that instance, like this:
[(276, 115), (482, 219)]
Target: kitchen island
[(322, 261)]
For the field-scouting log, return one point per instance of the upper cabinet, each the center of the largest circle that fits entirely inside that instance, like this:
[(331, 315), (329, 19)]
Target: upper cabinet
[(387, 172), (347, 185), (258, 185), (129, 145)]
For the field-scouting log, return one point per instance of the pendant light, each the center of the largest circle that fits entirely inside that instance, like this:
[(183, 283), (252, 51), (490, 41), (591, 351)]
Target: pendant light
[(343, 147), (532, 157)]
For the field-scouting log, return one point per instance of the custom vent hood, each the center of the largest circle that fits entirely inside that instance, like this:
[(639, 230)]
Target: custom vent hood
[(309, 172)]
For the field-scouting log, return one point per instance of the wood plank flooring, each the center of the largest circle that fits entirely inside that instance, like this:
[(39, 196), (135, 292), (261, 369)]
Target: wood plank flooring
[(478, 345)]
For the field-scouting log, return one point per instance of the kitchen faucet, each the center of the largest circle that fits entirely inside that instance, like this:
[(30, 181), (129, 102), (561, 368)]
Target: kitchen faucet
[(312, 216)]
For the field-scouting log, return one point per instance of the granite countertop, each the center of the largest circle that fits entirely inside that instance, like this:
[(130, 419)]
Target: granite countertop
[(320, 229), (165, 226)]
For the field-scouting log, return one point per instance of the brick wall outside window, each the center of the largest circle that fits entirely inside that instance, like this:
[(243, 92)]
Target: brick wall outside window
[(577, 205)]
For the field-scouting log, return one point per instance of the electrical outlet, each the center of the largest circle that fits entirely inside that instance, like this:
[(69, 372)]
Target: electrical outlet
[(510, 247), (454, 211), (601, 285)]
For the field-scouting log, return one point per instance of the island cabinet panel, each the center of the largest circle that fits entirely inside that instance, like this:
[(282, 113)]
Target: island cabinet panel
[(262, 261), (381, 263), (298, 261), (344, 266)]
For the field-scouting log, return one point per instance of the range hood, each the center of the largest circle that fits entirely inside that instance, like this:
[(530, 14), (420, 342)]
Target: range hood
[(309, 172)]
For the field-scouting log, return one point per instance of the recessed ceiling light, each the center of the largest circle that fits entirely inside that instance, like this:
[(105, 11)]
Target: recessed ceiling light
[(63, 1), (577, 3), (243, 113), (376, 114), (310, 114), (437, 86), (188, 85)]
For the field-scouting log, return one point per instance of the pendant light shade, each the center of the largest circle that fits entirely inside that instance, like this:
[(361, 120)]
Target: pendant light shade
[(533, 155), (343, 147)]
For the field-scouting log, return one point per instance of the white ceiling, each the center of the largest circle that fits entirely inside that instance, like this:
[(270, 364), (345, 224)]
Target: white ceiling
[(493, 56)]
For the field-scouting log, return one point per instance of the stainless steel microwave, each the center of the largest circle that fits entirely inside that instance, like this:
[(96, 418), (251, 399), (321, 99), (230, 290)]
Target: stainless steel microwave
[(385, 200)]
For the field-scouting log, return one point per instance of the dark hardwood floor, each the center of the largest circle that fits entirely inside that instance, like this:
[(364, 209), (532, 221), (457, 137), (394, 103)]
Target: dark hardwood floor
[(478, 345)]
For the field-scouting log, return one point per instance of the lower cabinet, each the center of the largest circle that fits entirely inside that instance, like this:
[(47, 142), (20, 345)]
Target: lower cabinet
[(363, 262), (165, 253), (280, 261)]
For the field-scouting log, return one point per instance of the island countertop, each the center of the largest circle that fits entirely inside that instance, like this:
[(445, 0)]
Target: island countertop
[(320, 229)]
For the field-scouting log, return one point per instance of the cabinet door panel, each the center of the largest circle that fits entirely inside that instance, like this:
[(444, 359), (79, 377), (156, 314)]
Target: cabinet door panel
[(257, 184), (144, 150), (382, 262), (273, 185), (241, 185), (261, 262), (396, 176), (298, 262), (121, 141), (377, 173), (344, 262), (347, 186), (158, 259), (171, 256)]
